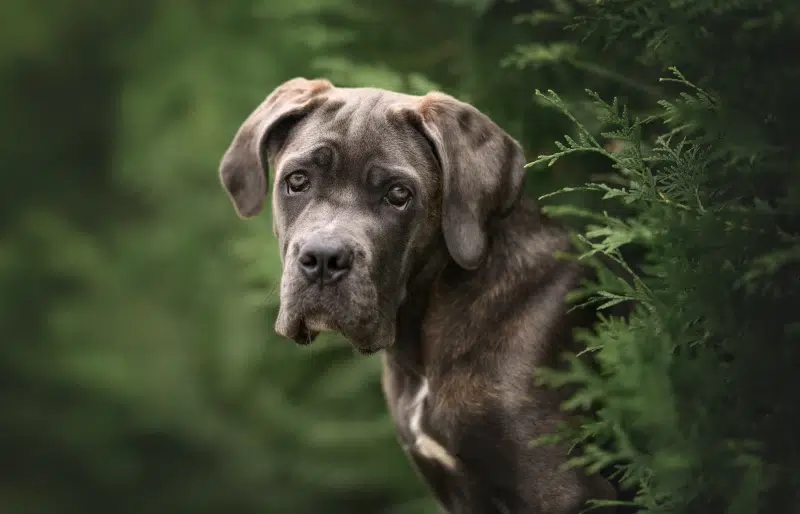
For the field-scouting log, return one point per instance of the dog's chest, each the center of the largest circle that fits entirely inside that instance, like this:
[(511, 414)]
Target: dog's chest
[(416, 426)]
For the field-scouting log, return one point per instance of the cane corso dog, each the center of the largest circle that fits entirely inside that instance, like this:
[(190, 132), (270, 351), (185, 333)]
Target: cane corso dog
[(403, 226)]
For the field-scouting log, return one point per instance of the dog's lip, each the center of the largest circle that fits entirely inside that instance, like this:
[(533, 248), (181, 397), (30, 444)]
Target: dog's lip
[(303, 323), (305, 327), (304, 336), (294, 328), (367, 350)]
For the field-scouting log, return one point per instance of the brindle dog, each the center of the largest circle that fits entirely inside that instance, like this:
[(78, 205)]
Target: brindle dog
[(402, 225)]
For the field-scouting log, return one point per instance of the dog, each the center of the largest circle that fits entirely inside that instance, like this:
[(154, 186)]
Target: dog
[(403, 226)]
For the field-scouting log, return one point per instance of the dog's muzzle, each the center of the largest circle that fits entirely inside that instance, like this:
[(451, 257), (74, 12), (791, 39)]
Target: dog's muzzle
[(328, 285)]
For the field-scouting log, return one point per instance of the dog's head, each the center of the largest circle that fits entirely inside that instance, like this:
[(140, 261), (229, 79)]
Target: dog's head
[(366, 182)]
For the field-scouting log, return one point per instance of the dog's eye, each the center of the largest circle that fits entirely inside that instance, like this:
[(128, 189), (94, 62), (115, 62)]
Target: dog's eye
[(296, 182), (398, 197)]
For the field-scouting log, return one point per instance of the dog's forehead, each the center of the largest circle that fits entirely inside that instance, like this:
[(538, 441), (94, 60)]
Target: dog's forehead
[(367, 103), (363, 123)]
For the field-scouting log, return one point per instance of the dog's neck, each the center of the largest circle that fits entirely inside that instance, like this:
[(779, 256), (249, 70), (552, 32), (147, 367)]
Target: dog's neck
[(407, 352), (519, 257)]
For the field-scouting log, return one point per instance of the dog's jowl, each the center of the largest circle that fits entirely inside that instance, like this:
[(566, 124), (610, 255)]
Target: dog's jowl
[(402, 225)]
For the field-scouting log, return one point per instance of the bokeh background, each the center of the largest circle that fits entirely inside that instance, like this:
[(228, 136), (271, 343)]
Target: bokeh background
[(139, 371)]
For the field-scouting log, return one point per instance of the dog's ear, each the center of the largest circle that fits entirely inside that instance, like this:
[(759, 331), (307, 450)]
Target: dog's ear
[(483, 170), (243, 170)]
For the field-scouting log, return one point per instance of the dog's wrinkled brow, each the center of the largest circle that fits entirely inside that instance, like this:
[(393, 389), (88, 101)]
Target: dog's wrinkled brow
[(379, 175), (324, 154)]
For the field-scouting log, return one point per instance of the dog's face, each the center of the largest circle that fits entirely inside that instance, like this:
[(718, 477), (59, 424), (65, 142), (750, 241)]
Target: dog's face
[(355, 193), (365, 183)]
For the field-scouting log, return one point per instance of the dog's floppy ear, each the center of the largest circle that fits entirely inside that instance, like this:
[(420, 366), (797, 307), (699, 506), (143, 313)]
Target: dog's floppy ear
[(483, 172), (243, 170)]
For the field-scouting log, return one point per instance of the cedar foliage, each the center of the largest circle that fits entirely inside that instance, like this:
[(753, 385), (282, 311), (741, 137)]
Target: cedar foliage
[(697, 388)]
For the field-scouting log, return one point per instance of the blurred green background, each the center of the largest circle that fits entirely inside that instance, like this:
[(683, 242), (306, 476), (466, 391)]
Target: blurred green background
[(139, 371)]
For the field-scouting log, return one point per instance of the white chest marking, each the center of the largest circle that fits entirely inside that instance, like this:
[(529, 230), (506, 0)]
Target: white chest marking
[(424, 444)]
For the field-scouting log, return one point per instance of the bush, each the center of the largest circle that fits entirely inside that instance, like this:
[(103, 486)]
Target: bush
[(696, 389)]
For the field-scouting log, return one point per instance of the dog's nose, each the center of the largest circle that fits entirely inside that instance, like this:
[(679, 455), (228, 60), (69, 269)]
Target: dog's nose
[(325, 259)]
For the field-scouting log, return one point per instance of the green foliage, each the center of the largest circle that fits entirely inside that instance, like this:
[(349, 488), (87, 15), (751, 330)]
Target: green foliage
[(694, 388)]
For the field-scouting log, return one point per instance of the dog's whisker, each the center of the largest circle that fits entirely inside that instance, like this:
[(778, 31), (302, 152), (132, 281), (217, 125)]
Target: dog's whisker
[(272, 292)]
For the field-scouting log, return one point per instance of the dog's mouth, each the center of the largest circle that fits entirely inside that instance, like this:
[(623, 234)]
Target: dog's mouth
[(304, 328), (351, 308), (303, 336), (366, 337)]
